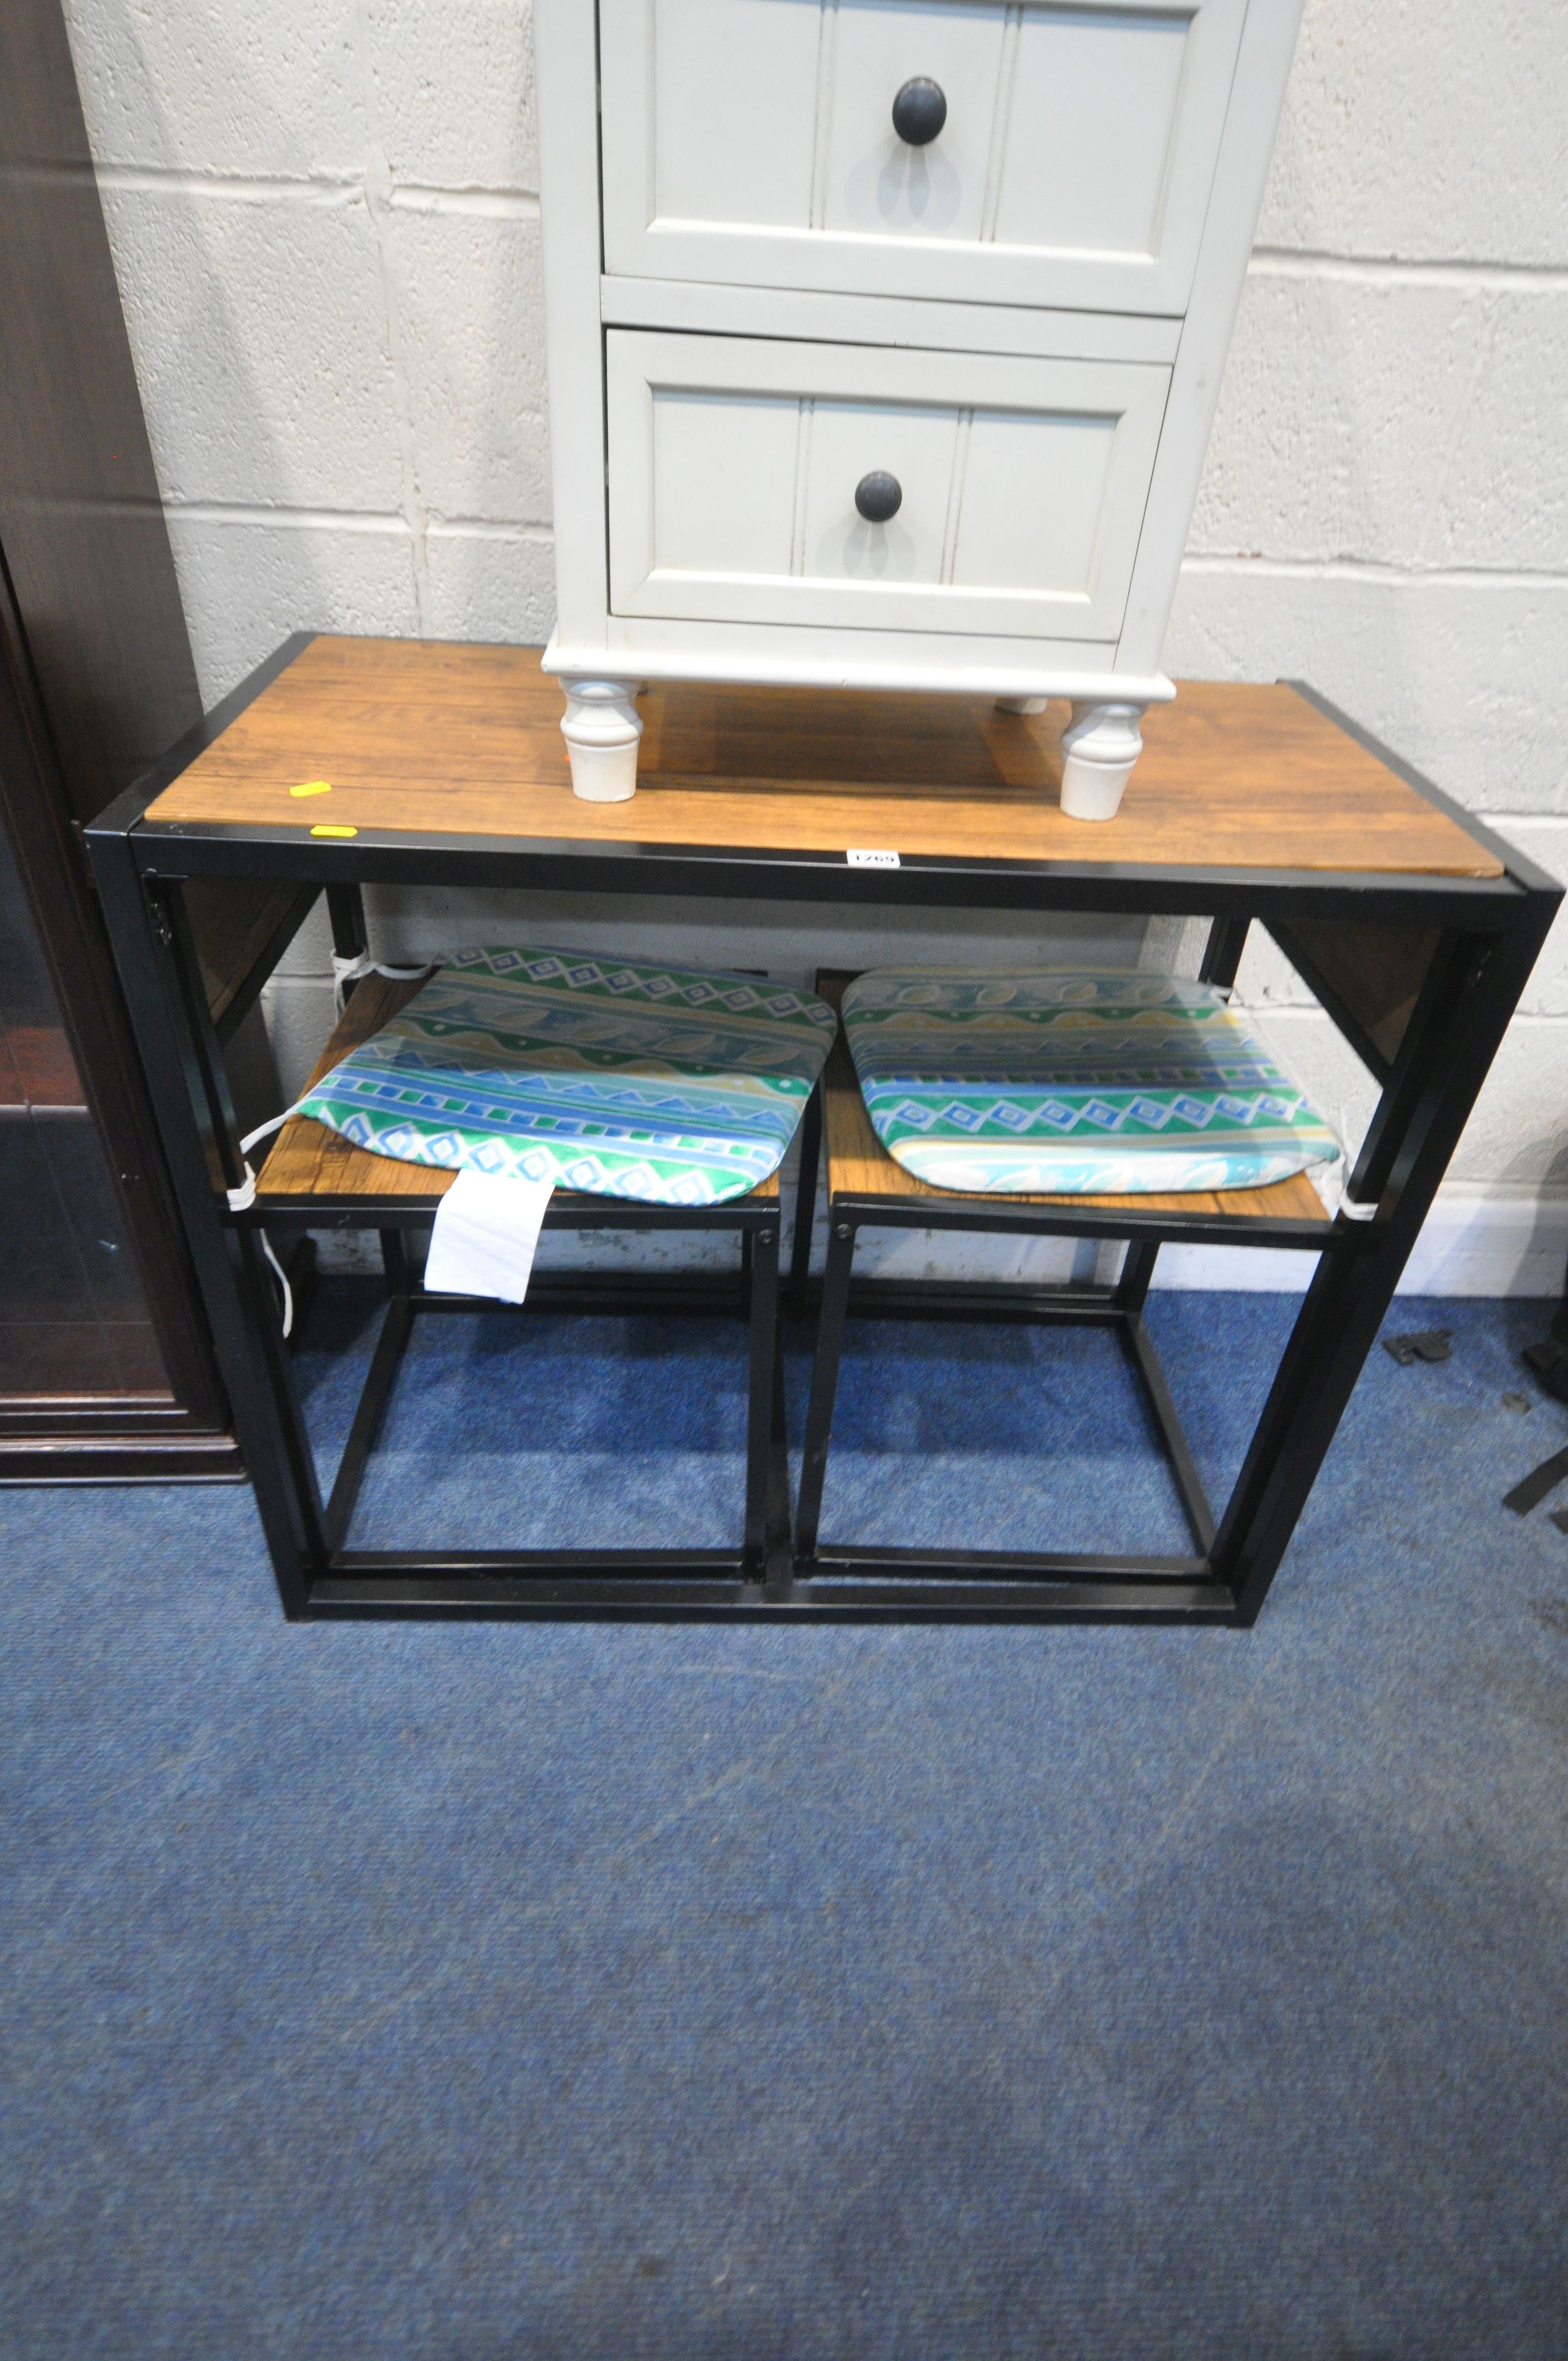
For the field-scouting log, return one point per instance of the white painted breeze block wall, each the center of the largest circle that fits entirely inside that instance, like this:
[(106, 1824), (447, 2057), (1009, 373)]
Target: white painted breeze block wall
[(325, 225)]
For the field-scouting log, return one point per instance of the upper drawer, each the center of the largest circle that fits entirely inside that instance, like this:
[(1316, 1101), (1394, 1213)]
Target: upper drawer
[(735, 464), (753, 141)]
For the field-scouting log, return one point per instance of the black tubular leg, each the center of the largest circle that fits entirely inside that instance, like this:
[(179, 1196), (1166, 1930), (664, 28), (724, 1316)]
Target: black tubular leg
[(764, 1288), (1223, 953), (298, 1257), (345, 908), (1139, 1347), (1434, 1012), (189, 1095), (245, 1242), (1353, 1284), (824, 1382), (779, 1573), (1137, 1270), (1334, 1330), (395, 1263), (805, 1201), (389, 1345), (745, 1274)]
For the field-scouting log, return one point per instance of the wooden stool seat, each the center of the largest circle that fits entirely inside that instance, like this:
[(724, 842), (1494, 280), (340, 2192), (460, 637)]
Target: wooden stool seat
[(308, 1163), (858, 1166)]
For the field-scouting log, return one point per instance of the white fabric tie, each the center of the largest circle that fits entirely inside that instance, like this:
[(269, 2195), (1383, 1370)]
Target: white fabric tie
[(283, 1283), (1329, 1180), (345, 972), (241, 1199), (485, 1235)]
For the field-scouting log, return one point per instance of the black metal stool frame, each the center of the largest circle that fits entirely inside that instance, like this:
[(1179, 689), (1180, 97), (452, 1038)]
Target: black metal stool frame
[(589, 1576), (1037, 1577)]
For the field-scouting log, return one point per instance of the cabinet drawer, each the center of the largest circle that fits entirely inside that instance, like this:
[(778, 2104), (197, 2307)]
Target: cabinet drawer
[(752, 142), (734, 465)]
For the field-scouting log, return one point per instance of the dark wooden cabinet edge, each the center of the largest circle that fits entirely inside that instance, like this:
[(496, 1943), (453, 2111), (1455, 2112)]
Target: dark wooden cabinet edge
[(57, 882), (96, 673), (78, 1459)]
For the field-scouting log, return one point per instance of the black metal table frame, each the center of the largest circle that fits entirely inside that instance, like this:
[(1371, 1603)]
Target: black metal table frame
[(1486, 933)]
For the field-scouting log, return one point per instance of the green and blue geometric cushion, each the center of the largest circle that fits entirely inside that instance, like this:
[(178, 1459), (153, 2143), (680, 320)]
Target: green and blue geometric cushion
[(1062, 1083), (617, 1077)]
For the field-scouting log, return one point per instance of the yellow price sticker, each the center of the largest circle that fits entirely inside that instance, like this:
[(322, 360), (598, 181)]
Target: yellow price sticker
[(334, 831), (313, 787)]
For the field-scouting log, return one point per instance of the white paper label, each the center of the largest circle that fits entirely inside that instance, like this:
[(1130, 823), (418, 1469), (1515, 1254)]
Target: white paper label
[(872, 859), (486, 1228)]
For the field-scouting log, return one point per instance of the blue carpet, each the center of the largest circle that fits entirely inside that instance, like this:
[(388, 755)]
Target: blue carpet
[(502, 1994)]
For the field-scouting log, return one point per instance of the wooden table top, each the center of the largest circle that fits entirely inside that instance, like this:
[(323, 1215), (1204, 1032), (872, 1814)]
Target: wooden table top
[(430, 738)]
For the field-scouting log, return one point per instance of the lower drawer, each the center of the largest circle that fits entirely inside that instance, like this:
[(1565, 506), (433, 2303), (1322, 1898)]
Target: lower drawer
[(735, 462)]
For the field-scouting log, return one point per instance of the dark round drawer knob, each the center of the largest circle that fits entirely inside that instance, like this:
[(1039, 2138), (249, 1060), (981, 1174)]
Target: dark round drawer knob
[(879, 496), (920, 111)]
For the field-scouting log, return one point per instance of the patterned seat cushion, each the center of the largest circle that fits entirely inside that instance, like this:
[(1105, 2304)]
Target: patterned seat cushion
[(1066, 1083), (624, 1079)]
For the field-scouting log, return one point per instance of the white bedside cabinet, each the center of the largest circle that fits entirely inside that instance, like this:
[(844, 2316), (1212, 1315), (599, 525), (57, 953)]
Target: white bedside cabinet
[(883, 339)]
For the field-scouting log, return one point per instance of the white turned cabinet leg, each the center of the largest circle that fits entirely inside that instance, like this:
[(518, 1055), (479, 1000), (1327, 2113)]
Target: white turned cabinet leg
[(1022, 704), (1099, 748), (602, 728)]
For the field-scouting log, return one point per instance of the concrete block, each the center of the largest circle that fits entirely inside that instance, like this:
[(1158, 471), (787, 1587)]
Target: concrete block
[(1546, 842), (1412, 426), (1427, 128), (299, 1014), (218, 86), (1266, 978), (1173, 946), (1501, 494), (1309, 1048), (454, 92), (789, 941), (472, 342), (1465, 681), (489, 586), (1486, 1241), (1519, 1132), (260, 334), (309, 953), (1502, 1240), (247, 585)]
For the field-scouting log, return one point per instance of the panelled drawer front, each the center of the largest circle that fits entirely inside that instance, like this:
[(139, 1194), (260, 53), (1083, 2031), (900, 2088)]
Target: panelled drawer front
[(734, 464), (752, 141)]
